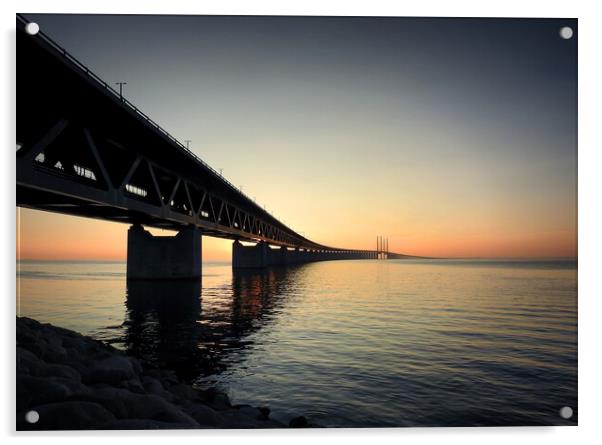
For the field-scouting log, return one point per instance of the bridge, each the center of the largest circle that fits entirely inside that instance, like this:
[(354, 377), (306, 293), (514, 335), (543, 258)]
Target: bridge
[(85, 150)]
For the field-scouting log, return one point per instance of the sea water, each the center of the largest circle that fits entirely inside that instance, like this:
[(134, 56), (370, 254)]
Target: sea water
[(344, 343)]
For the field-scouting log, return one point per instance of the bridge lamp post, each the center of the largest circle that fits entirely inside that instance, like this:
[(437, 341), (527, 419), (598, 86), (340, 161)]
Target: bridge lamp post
[(121, 84), (188, 141)]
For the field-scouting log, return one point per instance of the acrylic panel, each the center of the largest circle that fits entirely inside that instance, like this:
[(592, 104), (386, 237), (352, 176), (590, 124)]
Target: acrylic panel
[(286, 221)]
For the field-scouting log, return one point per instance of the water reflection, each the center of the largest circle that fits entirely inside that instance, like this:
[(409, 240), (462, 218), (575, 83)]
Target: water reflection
[(172, 325)]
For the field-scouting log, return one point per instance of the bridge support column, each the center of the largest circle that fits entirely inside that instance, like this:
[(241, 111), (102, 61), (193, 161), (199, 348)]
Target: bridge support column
[(249, 257), (284, 256), (163, 257)]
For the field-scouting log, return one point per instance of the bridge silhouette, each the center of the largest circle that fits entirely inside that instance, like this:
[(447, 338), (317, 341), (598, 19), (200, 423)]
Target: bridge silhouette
[(85, 150)]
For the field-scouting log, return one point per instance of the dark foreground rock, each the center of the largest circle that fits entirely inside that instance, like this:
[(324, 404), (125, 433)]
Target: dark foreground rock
[(298, 422), (75, 382)]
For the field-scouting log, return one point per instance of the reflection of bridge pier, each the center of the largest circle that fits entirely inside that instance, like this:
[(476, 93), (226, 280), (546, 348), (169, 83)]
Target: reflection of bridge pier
[(172, 325), (161, 321)]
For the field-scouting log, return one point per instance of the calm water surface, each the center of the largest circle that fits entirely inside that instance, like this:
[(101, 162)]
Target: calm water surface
[(346, 343)]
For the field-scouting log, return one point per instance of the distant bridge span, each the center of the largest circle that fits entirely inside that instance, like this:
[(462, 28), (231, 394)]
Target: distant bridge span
[(84, 150)]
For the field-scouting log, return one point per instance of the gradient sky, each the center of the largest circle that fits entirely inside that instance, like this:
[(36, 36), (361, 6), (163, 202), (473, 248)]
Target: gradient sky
[(453, 137)]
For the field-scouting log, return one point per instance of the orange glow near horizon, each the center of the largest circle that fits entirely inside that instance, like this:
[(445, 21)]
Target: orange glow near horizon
[(51, 236)]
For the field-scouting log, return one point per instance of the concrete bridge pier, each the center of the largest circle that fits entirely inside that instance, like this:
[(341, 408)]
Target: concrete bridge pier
[(284, 259), (249, 257), (262, 255), (163, 257)]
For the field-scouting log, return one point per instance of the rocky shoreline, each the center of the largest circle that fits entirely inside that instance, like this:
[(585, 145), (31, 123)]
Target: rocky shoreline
[(74, 382)]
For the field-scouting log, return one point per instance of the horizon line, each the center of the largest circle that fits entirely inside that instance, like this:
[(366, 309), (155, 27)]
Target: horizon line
[(411, 257)]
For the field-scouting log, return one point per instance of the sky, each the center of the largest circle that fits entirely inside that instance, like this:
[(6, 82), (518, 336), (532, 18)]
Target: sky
[(452, 137)]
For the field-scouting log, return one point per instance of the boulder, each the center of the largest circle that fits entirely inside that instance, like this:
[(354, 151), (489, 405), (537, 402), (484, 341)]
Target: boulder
[(29, 364), (184, 392), (152, 386), (39, 390), (68, 415), (298, 422), (125, 404), (265, 412), (220, 402), (113, 369), (133, 385), (167, 377), (246, 418), (205, 416), (143, 424), (67, 372), (251, 411)]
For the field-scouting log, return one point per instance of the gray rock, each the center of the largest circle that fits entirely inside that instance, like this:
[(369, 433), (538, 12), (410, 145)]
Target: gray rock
[(27, 334), (112, 399), (54, 343), (29, 364), (24, 354), (56, 370), (205, 416), (69, 415), (32, 341), (185, 392), (38, 390), (77, 388), (167, 377), (143, 424), (152, 386), (235, 419), (137, 365), (74, 344), (125, 404), (265, 412), (298, 422), (112, 369), (133, 385), (250, 411), (220, 402)]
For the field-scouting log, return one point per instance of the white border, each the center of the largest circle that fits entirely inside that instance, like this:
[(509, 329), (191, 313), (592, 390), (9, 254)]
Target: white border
[(590, 220)]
